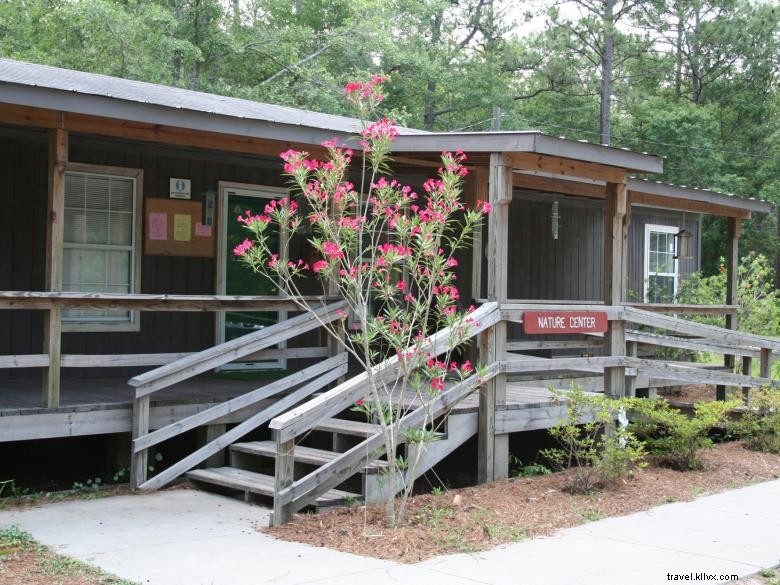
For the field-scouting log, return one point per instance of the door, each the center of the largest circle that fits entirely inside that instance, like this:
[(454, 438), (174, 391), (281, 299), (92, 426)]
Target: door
[(234, 277)]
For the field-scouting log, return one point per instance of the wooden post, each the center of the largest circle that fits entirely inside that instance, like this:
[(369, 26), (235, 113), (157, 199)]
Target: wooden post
[(481, 191), (765, 368), (494, 449), (284, 477), (139, 461), (747, 370), (732, 276), (55, 217), (631, 351), (615, 241)]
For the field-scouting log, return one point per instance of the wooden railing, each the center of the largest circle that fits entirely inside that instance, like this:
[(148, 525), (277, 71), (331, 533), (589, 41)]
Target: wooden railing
[(187, 367), (52, 359), (292, 495), (677, 333)]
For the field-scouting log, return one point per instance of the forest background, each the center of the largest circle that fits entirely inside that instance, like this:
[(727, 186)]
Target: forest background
[(692, 80)]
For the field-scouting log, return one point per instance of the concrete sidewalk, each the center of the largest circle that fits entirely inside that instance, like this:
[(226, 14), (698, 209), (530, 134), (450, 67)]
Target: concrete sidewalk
[(186, 537)]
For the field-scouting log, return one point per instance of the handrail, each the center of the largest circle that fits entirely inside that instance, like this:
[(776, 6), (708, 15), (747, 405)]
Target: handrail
[(686, 309), (720, 334), (301, 492), (205, 360), (305, 417), (336, 367), (32, 300)]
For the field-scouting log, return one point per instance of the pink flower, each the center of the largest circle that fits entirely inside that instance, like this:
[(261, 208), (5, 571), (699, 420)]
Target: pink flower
[(243, 247), (437, 384), (320, 265), (484, 206), (360, 402), (332, 249), (353, 86)]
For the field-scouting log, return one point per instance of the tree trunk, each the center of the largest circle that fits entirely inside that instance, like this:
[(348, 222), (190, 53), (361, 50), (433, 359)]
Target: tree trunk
[(679, 51), (429, 113), (695, 60), (605, 118), (176, 65)]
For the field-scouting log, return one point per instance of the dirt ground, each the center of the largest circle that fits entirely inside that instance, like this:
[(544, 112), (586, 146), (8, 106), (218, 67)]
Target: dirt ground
[(481, 517), (690, 394)]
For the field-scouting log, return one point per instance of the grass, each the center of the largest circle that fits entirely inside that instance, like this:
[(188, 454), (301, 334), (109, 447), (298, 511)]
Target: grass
[(16, 545), (770, 576)]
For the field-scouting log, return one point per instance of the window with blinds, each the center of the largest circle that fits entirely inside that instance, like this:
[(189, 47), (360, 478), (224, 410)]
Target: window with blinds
[(99, 243)]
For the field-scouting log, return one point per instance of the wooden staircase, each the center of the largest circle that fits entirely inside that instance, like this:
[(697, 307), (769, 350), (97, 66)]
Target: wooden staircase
[(251, 469)]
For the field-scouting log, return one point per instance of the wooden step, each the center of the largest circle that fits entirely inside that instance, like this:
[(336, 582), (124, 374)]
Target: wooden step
[(303, 454), (257, 483), (348, 427)]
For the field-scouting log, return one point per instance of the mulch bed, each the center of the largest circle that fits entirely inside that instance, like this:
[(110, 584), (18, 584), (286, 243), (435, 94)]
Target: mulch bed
[(481, 517)]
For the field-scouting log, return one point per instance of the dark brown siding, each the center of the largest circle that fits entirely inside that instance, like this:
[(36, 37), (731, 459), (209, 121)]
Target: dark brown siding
[(23, 177), (571, 267)]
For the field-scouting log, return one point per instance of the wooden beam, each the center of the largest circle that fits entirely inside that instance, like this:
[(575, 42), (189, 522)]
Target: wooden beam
[(140, 427), (480, 191), (554, 185), (567, 167), (55, 229), (595, 191), (615, 242), (689, 205)]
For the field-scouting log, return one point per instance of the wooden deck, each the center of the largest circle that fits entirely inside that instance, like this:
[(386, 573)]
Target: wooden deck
[(94, 406)]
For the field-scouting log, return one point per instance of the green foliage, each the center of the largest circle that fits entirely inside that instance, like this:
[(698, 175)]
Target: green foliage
[(675, 438), (517, 469), (598, 450), (759, 302), (759, 425)]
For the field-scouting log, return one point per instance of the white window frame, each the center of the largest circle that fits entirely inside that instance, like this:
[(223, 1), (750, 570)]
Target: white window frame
[(665, 229), (260, 192), (137, 175)]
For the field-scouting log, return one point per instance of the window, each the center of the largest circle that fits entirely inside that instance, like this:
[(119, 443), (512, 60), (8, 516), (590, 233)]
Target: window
[(100, 247), (660, 264)]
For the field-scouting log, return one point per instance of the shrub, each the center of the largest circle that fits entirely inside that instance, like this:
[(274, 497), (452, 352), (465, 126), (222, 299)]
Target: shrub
[(759, 426), (673, 437), (596, 449), (758, 301)]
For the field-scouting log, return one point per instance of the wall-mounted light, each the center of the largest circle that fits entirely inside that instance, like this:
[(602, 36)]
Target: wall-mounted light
[(554, 220), (683, 245)]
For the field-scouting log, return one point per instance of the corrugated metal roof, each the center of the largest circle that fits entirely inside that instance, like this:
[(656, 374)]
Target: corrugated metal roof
[(31, 74)]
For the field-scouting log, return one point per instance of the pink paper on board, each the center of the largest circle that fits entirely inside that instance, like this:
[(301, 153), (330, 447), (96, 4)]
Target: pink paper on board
[(204, 231), (158, 226)]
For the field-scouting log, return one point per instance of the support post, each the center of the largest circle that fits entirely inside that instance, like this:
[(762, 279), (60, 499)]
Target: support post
[(631, 351), (284, 477), (139, 461), (747, 370), (494, 449), (732, 276), (765, 368), (55, 216), (614, 283)]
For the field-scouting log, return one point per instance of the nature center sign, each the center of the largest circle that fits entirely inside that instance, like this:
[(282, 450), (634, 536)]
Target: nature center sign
[(564, 321)]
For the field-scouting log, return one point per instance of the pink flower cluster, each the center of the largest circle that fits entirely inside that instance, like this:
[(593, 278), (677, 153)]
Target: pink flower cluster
[(366, 90), (248, 218), (244, 246), (275, 204), (383, 129)]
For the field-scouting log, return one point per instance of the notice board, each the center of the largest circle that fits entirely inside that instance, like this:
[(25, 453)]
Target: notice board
[(173, 227)]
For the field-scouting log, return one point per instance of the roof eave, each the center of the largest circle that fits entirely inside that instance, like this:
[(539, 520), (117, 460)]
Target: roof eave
[(534, 142)]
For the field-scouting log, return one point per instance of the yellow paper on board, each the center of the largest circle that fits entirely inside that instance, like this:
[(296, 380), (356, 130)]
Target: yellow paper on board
[(182, 227)]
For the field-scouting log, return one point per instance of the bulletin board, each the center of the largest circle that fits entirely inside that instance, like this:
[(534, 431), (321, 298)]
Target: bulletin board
[(173, 227)]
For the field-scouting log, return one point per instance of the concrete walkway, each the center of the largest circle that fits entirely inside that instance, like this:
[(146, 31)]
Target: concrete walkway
[(185, 537)]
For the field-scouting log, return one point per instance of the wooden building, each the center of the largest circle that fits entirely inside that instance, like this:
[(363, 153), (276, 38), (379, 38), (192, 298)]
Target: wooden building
[(114, 252)]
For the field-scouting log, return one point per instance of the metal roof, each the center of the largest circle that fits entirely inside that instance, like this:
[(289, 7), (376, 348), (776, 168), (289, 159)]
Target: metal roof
[(696, 194), (79, 92), (103, 95)]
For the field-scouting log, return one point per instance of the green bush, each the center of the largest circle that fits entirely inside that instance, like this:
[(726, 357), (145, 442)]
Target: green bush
[(758, 301), (759, 425), (673, 437), (596, 449)]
